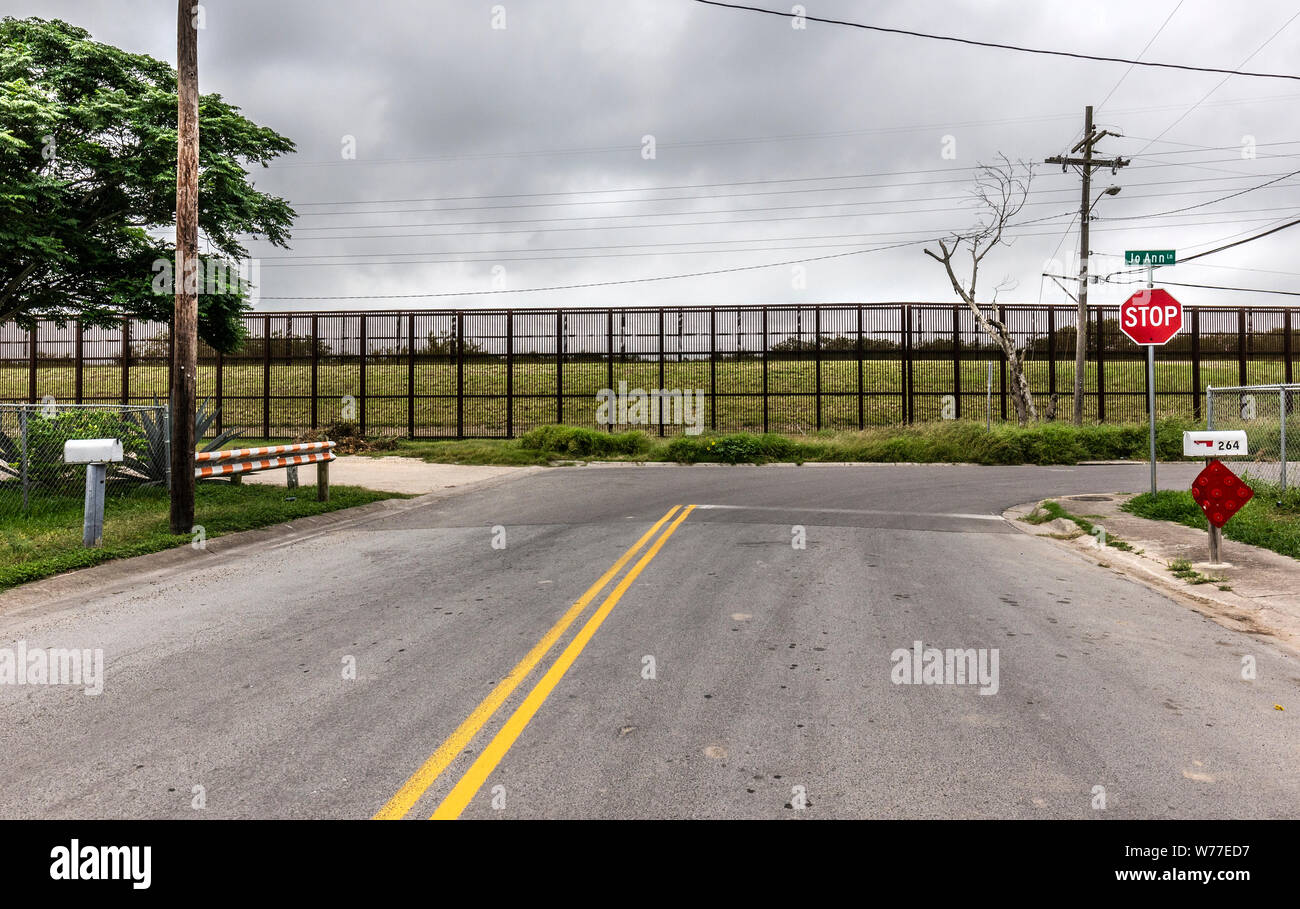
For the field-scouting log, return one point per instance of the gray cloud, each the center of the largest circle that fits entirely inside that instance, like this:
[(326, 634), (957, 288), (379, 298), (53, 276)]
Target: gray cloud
[(442, 105)]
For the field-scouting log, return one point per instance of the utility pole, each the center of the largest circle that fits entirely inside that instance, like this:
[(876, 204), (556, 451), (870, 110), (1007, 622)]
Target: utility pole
[(185, 316), (1086, 164)]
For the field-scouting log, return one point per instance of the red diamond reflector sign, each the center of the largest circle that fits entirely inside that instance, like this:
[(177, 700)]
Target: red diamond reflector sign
[(1220, 493)]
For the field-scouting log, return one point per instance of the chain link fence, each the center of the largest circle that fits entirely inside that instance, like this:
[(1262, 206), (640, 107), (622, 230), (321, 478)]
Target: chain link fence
[(1268, 414), (35, 480)]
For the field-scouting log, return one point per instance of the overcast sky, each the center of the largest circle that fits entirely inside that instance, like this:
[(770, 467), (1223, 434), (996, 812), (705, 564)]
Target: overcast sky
[(529, 127)]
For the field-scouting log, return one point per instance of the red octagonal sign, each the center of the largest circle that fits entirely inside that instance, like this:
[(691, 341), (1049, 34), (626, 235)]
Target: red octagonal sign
[(1151, 316), (1220, 493)]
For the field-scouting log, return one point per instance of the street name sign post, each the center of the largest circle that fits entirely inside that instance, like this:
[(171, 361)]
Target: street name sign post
[(1151, 318)]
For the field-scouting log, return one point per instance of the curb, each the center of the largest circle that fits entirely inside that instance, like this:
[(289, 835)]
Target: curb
[(1224, 607)]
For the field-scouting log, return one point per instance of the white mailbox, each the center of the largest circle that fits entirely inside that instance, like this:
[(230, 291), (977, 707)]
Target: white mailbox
[(1207, 443), (92, 451)]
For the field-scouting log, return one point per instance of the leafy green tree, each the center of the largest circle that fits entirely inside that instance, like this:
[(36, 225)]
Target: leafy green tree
[(88, 184)]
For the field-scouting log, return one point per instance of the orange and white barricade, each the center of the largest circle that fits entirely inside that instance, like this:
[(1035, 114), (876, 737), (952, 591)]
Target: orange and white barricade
[(235, 462)]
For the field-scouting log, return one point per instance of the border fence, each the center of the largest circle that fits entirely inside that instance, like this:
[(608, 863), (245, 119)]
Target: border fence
[(788, 368)]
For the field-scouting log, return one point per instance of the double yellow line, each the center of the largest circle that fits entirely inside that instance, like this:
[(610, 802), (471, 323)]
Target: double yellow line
[(470, 783)]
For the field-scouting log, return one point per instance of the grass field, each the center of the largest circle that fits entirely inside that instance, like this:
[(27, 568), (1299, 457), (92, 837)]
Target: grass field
[(792, 404), (1270, 520), (48, 540)]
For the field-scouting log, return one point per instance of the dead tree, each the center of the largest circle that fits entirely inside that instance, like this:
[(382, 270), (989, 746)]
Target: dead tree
[(1001, 193)]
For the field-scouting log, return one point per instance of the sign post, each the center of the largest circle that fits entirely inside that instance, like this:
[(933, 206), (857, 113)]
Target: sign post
[(1217, 489), (1151, 318)]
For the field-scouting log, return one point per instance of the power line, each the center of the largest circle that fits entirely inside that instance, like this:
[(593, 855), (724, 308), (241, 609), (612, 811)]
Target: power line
[(1217, 249), (1249, 189), (741, 268), (1252, 290), (769, 182), (525, 290), (1221, 83), (999, 46), (1142, 53), (766, 192)]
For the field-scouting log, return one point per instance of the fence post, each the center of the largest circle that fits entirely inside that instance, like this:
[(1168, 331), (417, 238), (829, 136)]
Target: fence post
[(956, 362), (31, 363), (126, 362), (1196, 364), (713, 369), (266, 377), (361, 373), (609, 362), (906, 377), (662, 380), (22, 418), (218, 391), (1002, 377), (79, 367), (460, 375), (1282, 413), (510, 373), (1286, 345), (861, 397), (817, 356), (1241, 346), (765, 404), (559, 366), (315, 370), (1051, 358), (410, 375), (1101, 368)]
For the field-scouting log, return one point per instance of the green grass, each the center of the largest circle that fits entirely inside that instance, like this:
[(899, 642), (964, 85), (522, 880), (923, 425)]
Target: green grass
[(792, 407), (1049, 510), (946, 442), (1183, 570), (1270, 520), (49, 541)]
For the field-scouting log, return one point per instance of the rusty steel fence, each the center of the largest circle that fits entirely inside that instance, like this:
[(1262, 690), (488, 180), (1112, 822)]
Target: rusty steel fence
[(786, 368)]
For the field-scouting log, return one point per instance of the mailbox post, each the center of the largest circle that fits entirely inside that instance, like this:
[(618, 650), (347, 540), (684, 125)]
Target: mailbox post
[(1219, 493), (96, 454)]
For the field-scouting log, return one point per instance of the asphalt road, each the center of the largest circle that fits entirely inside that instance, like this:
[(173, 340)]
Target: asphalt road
[(772, 673)]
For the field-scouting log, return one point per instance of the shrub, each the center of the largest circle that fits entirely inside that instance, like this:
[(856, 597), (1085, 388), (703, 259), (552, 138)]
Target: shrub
[(579, 442)]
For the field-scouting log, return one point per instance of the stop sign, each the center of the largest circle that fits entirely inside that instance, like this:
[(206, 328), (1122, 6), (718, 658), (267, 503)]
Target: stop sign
[(1151, 316)]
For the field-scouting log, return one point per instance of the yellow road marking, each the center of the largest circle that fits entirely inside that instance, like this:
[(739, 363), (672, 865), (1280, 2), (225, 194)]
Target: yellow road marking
[(424, 777), (490, 757)]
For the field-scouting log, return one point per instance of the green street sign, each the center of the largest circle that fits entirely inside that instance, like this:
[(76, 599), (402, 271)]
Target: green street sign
[(1149, 257)]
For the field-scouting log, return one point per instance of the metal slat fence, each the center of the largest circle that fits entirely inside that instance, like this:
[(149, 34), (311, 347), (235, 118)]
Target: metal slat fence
[(785, 368)]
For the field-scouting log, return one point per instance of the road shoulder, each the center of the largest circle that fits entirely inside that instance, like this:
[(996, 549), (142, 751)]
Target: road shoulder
[(124, 574), (1264, 594)]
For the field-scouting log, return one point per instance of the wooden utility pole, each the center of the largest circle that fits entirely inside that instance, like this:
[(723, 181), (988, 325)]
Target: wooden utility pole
[(186, 315), (1086, 164)]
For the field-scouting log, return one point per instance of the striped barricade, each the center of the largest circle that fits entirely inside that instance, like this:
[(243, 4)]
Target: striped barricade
[(236, 462)]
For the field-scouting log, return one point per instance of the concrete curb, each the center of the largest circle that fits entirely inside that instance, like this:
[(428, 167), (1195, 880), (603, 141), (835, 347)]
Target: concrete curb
[(1229, 609)]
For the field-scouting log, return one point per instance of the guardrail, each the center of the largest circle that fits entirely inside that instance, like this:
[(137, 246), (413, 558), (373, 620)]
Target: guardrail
[(236, 462)]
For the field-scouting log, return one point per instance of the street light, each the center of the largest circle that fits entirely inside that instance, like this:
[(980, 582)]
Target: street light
[(1108, 191)]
